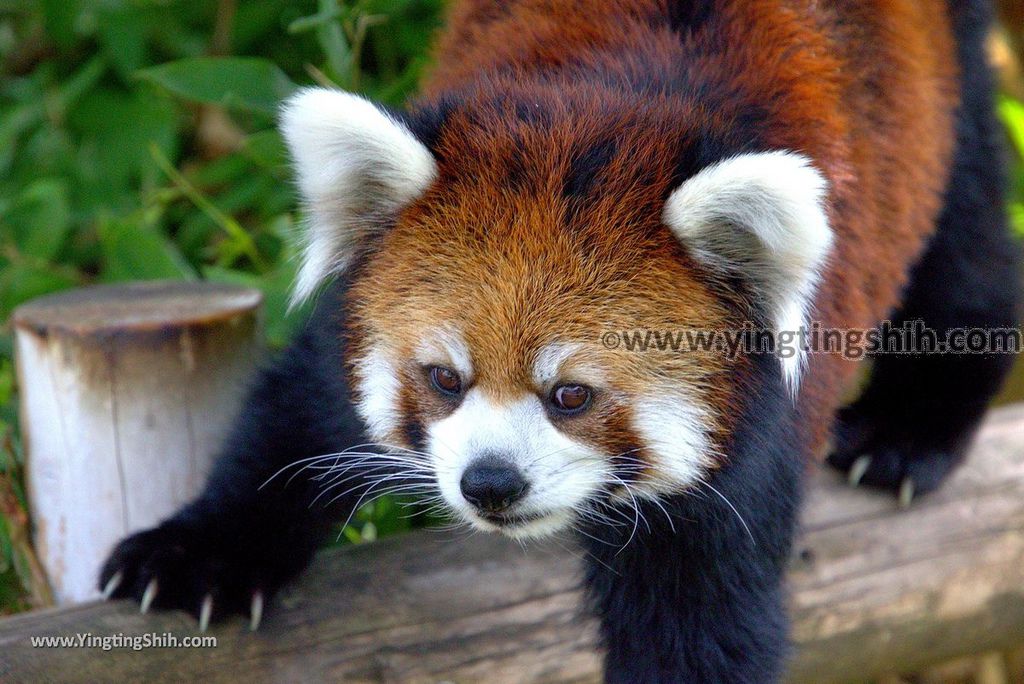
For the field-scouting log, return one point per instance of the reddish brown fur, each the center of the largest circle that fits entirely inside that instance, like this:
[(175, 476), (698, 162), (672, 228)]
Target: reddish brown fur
[(866, 88)]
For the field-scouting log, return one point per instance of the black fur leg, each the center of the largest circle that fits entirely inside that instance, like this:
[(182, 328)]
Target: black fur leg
[(255, 525), (894, 459), (700, 599), (193, 567), (913, 425)]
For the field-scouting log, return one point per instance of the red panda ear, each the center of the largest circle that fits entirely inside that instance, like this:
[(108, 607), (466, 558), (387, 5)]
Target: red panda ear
[(356, 167), (760, 217)]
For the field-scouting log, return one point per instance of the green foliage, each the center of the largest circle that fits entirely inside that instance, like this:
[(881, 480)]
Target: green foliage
[(234, 82), (137, 141), (1012, 113)]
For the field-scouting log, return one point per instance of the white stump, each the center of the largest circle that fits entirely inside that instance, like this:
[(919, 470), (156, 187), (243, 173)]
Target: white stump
[(127, 393)]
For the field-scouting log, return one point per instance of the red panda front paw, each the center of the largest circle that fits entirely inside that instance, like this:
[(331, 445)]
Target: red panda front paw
[(173, 567), (907, 470), (871, 455)]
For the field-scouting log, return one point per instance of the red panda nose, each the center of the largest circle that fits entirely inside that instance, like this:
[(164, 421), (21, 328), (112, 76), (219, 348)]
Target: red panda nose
[(492, 484)]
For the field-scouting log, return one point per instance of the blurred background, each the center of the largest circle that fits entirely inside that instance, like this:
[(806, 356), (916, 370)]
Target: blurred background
[(137, 142)]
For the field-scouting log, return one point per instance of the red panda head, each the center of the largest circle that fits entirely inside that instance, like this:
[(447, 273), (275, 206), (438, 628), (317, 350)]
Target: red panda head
[(493, 265)]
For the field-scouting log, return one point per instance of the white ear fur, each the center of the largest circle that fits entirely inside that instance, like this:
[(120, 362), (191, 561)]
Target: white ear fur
[(356, 166), (760, 216)]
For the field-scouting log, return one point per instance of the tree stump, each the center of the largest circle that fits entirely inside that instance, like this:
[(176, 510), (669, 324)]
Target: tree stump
[(127, 392)]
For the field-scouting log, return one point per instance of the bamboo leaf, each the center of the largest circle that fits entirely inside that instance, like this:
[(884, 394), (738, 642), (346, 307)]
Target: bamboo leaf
[(246, 82)]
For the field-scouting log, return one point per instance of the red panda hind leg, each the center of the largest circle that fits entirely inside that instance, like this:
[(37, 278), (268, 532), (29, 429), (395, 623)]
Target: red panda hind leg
[(914, 422)]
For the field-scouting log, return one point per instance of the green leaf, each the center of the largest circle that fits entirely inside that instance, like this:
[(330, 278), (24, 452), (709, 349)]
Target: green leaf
[(133, 249), (59, 17), (14, 122), (6, 384), (117, 129), (40, 218), (122, 33), (239, 240), (267, 149), (333, 42), (21, 282), (1012, 113), (37, 105), (1016, 211), (352, 534), (80, 83), (247, 82)]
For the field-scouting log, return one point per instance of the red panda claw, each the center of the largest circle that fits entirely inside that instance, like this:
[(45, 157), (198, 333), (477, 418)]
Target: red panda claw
[(857, 470), (148, 595), (906, 496), (205, 611), (256, 611), (112, 584)]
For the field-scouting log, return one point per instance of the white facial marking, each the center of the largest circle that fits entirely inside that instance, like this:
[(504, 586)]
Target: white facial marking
[(446, 348), (549, 365), (562, 472), (674, 430), (355, 166), (761, 216), (549, 362), (377, 379)]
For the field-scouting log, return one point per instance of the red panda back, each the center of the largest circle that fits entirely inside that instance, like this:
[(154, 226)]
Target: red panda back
[(867, 89)]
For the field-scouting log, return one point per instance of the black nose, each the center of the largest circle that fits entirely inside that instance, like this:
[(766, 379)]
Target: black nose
[(492, 484)]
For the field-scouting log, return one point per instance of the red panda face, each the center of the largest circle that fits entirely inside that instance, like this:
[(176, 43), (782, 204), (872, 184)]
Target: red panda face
[(480, 314), (478, 337)]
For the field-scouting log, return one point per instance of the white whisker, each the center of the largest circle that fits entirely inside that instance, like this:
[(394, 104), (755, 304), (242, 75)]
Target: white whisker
[(729, 504)]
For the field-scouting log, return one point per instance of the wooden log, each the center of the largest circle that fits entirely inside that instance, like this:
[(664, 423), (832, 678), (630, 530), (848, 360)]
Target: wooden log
[(126, 392), (874, 590)]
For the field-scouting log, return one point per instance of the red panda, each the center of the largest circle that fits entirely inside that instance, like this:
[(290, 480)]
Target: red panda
[(578, 168)]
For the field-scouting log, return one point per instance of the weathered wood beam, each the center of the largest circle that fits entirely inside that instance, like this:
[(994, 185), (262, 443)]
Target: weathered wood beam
[(874, 590)]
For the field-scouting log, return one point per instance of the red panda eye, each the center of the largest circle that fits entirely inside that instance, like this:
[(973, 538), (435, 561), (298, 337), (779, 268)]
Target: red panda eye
[(570, 398), (445, 380)]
